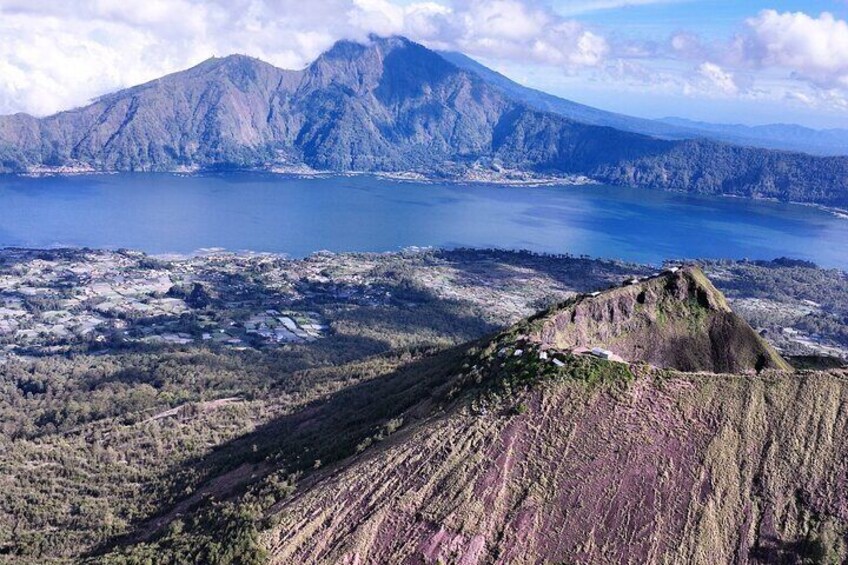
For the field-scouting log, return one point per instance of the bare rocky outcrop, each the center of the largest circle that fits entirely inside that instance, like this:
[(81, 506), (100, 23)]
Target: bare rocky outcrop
[(687, 469), (677, 320), (591, 461)]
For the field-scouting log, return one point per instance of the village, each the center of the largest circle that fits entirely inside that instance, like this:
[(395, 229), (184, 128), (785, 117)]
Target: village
[(64, 300), (55, 301)]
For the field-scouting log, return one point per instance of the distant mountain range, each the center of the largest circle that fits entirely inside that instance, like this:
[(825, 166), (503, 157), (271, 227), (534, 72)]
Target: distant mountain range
[(392, 105), (776, 136)]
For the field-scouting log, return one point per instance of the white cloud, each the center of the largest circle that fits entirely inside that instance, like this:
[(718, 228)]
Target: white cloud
[(688, 45), (55, 55), (506, 19), (718, 78), (510, 29), (707, 80), (815, 49), (818, 98), (379, 16), (791, 57)]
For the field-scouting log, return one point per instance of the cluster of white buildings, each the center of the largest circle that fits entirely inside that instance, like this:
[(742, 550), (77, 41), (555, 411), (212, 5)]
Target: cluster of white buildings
[(286, 327)]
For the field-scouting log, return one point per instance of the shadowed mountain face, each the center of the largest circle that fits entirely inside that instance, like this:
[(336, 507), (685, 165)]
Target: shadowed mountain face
[(563, 457), (390, 105), (523, 448), (679, 320)]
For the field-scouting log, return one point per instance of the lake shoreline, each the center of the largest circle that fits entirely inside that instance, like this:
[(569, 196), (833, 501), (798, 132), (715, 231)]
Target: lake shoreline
[(483, 178), (271, 212)]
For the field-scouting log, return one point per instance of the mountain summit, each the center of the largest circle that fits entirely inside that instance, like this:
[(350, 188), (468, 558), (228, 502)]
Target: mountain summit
[(544, 451), (546, 444), (676, 320), (389, 105)]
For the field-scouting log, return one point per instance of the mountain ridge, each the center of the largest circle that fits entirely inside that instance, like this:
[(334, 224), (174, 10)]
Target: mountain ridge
[(786, 137), (574, 110), (495, 453), (499, 450), (390, 105), (617, 471), (790, 137), (570, 458)]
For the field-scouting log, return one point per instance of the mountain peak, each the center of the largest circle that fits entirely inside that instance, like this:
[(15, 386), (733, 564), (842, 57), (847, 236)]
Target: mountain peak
[(379, 48), (235, 62), (348, 47), (233, 59), (542, 455), (394, 68), (675, 319)]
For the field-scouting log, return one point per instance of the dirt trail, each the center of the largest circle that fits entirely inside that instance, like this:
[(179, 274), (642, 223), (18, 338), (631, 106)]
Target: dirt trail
[(194, 407)]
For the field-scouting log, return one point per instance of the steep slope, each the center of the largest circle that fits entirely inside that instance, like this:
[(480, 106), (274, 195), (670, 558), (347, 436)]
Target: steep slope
[(389, 105), (590, 461), (517, 449), (221, 112), (661, 469), (394, 105), (572, 110), (677, 320), (776, 136)]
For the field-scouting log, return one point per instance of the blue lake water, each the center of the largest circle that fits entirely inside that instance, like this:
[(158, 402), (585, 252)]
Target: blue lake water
[(162, 213)]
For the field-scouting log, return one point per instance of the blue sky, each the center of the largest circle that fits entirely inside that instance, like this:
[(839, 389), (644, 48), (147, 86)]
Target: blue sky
[(718, 17), (744, 61), (714, 20)]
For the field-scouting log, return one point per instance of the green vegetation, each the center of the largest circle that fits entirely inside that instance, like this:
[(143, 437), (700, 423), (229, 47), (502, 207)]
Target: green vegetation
[(597, 371), (223, 533), (74, 468), (507, 369), (817, 362), (97, 440)]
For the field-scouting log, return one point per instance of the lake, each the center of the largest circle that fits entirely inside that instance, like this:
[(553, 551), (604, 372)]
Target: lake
[(164, 213)]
